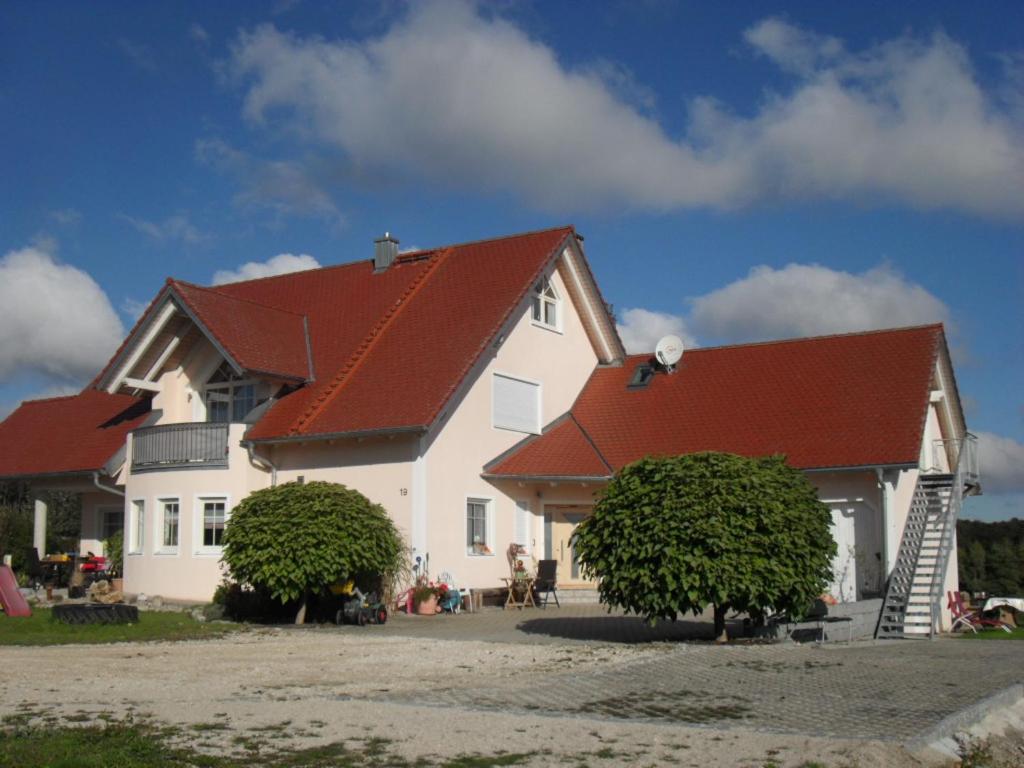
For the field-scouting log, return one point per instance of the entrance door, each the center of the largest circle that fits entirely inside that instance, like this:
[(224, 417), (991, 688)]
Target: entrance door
[(564, 520)]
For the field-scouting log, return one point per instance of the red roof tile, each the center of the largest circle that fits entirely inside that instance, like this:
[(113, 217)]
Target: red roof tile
[(390, 348), (67, 434), (836, 401), (562, 451), (260, 338)]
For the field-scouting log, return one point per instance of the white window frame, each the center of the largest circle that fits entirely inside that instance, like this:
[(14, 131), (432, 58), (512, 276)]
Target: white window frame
[(136, 530), (547, 281), (540, 402), (160, 510), (488, 502), (199, 522)]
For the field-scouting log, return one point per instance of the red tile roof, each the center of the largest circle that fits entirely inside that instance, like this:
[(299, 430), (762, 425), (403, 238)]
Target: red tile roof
[(563, 450), (836, 401), (390, 348), (261, 339), (67, 434)]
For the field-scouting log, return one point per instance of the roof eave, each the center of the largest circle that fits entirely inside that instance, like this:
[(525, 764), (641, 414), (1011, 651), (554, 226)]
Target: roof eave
[(550, 478), (353, 434)]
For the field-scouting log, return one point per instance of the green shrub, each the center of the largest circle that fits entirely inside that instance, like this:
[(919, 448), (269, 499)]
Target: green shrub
[(113, 550), (297, 539), (676, 534)]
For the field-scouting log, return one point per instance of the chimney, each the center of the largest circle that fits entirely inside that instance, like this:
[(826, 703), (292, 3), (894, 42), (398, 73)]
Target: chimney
[(385, 249)]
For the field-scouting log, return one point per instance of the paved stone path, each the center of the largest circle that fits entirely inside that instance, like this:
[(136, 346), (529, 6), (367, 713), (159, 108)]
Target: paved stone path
[(877, 689)]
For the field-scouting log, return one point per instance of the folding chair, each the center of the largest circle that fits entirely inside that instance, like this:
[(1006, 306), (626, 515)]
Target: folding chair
[(970, 619), (547, 581)]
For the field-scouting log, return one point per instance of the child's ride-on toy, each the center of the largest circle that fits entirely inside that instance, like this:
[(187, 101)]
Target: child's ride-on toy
[(358, 608)]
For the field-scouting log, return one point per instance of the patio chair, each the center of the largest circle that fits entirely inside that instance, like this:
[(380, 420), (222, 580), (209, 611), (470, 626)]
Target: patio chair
[(547, 581), (970, 619), (453, 604)]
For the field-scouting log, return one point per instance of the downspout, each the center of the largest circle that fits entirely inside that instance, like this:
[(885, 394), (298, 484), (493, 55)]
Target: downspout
[(107, 488), (884, 507), (262, 462)]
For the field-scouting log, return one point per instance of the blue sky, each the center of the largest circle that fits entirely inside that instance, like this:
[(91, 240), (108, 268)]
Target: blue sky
[(747, 173)]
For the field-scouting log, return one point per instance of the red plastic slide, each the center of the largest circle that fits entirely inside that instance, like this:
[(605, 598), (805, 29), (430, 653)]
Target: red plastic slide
[(11, 599)]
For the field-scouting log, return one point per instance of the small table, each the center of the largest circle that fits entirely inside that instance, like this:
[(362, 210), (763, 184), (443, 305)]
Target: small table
[(524, 583)]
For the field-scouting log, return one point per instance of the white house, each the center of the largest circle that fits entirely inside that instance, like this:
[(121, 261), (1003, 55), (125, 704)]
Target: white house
[(481, 394)]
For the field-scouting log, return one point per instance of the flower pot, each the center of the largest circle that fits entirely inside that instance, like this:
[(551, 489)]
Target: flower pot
[(427, 607), (117, 584)]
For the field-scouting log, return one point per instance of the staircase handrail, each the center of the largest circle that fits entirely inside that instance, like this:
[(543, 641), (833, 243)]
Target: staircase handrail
[(961, 454)]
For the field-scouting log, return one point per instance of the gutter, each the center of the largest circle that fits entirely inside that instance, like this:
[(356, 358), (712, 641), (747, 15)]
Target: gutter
[(550, 478), (262, 462), (107, 488), (388, 431)]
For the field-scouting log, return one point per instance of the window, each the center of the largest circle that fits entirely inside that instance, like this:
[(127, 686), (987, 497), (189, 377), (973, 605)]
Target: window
[(138, 526), (545, 305), (524, 520), (111, 520), (478, 527), (228, 397), (213, 522), (171, 524), (642, 376), (516, 404)]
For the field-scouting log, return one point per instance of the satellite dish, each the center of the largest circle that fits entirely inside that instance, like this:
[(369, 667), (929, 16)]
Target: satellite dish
[(669, 351)]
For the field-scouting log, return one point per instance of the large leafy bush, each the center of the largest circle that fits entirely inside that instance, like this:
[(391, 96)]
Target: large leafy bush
[(300, 538), (675, 534)]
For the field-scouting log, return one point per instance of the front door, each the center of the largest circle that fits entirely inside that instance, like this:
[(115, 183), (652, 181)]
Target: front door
[(564, 520)]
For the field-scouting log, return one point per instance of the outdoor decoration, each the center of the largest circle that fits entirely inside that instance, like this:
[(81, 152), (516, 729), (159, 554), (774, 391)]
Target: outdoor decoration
[(672, 535)]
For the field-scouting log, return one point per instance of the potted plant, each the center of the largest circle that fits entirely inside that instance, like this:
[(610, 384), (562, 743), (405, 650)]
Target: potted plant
[(113, 550), (427, 596)]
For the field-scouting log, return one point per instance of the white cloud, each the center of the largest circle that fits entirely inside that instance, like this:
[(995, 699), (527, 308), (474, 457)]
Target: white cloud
[(177, 227), (809, 299), (66, 216), (54, 319), (277, 265), (133, 308), (139, 54), (1001, 463), (455, 94), (284, 187), (198, 34), (640, 329)]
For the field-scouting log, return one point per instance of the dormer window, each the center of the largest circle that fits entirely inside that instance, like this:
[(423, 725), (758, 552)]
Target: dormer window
[(546, 305), (229, 398)]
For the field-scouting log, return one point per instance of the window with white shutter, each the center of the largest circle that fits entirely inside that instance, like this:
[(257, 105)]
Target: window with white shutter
[(516, 404)]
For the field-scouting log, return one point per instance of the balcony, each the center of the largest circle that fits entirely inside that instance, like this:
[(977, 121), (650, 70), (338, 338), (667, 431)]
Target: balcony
[(961, 455), (185, 446)]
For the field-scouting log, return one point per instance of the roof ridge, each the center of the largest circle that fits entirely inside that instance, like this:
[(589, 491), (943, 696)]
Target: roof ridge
[(208, 289), (402, 257), (799, 339), (329, 392)]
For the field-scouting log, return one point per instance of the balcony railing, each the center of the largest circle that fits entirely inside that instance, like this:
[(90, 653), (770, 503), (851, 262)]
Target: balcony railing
[(959, 453), (180, 445)]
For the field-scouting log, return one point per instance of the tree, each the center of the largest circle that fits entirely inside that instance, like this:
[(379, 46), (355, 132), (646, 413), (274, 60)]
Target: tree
[(675, 534), (296, 539)]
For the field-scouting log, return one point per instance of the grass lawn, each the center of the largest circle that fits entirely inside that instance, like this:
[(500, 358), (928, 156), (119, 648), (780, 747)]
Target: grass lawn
[(131, 745), (994, 634), (41, 629)]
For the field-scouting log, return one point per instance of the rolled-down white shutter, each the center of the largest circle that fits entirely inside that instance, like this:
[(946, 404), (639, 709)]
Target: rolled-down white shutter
[(516, 404)]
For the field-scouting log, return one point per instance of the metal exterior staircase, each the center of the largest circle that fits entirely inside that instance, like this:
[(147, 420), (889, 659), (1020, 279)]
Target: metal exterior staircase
[(913, 601)]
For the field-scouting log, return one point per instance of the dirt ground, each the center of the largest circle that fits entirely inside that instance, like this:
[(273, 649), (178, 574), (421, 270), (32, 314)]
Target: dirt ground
[(297, 688)]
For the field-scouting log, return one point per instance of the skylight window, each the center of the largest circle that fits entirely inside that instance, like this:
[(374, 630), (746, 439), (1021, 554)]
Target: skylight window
[(642, 376), (546, 305)]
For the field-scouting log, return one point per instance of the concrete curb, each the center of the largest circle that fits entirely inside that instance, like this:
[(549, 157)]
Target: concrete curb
[(966, 717)]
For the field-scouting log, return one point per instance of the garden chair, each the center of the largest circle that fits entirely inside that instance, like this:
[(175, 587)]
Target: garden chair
[(547, 581), (455, 605), (970, 619)]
